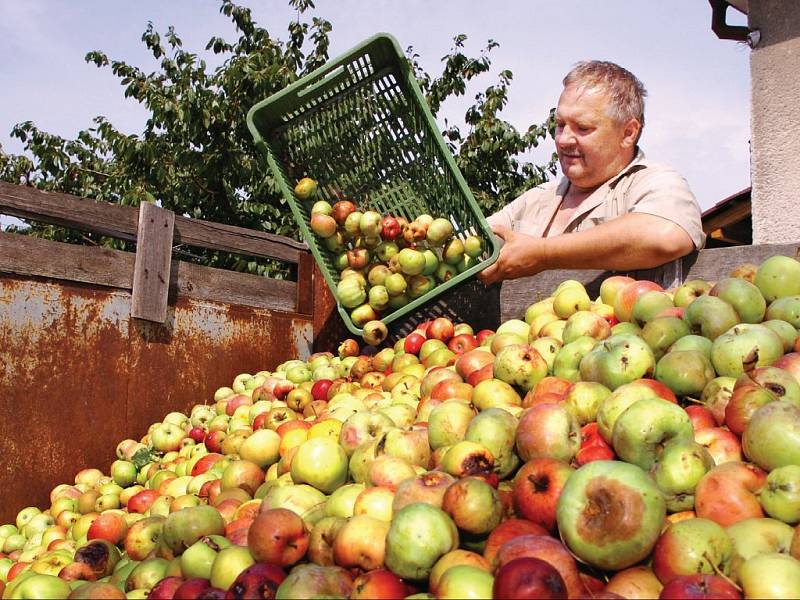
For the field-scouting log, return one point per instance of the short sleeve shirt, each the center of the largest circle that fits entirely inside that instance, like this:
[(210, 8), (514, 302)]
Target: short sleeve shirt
[(643, 187)]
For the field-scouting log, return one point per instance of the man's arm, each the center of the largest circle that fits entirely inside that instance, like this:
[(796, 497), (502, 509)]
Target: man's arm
[(630, 242)]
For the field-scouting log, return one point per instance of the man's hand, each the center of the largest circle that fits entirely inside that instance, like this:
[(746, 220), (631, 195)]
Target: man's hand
[(520, 256)]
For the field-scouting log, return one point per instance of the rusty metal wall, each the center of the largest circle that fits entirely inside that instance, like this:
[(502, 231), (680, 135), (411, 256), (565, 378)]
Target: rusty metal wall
[(78, 374)]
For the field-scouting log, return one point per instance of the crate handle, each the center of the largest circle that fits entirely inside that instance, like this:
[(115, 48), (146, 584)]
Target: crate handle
[(327, 80)]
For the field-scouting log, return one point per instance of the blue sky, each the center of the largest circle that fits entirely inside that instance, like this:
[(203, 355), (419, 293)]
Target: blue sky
[(698, 109)]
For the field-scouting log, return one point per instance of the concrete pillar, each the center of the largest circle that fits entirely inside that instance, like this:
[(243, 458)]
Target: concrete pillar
[(775, 121)]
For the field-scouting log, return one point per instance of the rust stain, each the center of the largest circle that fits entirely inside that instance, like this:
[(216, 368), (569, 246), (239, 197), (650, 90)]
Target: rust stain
[(78, 374)]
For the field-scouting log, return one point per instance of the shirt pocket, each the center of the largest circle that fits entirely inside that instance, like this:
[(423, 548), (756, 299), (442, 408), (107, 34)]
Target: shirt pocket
[(524, 227)]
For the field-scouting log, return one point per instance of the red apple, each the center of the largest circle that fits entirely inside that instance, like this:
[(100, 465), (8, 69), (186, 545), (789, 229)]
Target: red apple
[(722, 445), (482, 335), (528, 578), (547, 549), (701, 417), (699, 586), (727, 494), (379, 584), (278, 536), (440, 328), (462, 343), (537, 488), (508, 530), (413, 343)]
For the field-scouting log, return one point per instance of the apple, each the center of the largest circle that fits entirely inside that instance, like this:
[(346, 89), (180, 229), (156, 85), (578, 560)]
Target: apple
[(143, 537), (781, 495), (315, 581), (745, 298), (566, 363), (571, 300), (626, 297), (616, 403), (678, 469), (685, 372), (710, 316), (548, 430), (721, 444), (197, 559), (257, 581), (428, 487), (228, 565), (494, 429), (693, 342), (610, 514), (320, 462), (378, 584), (360, 543), (494, 393), (785, 309), (520, 365), (418, 536), (448, 423), (692, 546), (537, 488), (700, 585), (772, 437), (611, 287), (529, 578), (691, 290), (771, 575), (727, 493), (146, 574), (649, 305), (465, 581), (744, 346), (620, 359), (701, 417), (635, 582), (786, 331), (585, 323), (758, 536), (360, 427), (547, 549), (473, 505), (641, 431), (778, 277), (462, 343)]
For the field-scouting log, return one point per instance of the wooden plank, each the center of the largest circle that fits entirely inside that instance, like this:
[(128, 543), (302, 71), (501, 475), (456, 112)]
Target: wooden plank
[(305, 284), (152, 264), (230, 287), (28, 256), (120, 222)]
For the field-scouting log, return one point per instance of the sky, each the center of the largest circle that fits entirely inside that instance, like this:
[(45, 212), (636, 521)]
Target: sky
[(697, 111)]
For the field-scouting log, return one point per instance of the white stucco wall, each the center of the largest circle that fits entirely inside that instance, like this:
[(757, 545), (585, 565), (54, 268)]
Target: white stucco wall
[(775, 121)]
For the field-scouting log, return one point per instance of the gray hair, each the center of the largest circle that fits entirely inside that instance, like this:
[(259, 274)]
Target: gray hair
[(625, 92)]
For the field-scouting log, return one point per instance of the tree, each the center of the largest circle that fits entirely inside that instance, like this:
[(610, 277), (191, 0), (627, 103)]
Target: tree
[(195, 155)]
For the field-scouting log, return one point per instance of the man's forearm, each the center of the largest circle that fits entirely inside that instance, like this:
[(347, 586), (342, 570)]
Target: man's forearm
[(633, 241)]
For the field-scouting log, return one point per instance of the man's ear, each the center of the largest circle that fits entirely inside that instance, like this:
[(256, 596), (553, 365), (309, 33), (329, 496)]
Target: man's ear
[(631, 133)]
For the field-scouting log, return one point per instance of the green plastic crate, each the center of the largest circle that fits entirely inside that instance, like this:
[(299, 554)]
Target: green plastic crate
[(362, 129)]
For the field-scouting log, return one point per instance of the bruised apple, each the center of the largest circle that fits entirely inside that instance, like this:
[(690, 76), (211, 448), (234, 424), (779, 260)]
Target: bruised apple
[(610, 514)]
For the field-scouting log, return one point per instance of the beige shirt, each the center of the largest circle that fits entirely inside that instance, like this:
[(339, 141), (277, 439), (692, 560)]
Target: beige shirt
[(642, 186)]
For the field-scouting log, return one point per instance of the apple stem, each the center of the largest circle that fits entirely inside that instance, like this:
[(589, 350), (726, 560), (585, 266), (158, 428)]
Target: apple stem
[(720, 573)]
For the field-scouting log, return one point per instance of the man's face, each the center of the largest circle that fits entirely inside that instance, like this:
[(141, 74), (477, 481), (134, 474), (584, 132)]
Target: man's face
[(592, 147)]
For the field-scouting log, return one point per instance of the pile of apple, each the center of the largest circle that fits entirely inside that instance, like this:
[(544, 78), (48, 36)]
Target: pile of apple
[(642, 444), (384, 261)]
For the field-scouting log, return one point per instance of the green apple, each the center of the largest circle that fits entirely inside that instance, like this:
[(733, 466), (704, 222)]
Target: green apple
[(772, 437), (771, 575), (744, 346), (419, 535), (610, 514), (745, 298), (643, 429), (685, 372)]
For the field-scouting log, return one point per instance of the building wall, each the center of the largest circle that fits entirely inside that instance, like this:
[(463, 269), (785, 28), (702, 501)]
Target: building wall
[(775, 121)]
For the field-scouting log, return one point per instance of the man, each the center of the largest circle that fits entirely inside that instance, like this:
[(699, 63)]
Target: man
[(613, 209)]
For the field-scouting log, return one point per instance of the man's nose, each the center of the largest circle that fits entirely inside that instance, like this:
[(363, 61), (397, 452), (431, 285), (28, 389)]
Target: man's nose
[(565, 136)]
